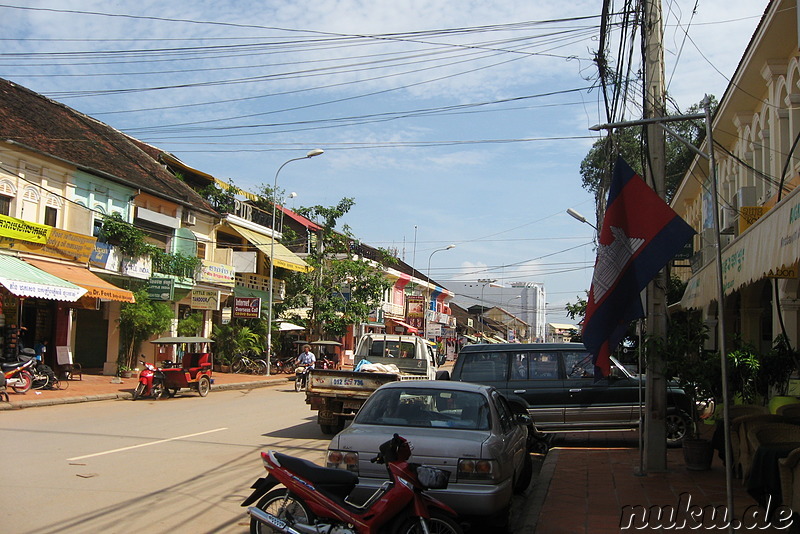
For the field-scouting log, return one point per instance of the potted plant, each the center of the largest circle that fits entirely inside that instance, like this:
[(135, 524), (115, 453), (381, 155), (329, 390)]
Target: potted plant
[(776, 366), (696, 371)]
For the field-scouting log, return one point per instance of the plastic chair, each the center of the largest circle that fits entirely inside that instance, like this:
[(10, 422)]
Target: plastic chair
[(789, 410), (740, 446)]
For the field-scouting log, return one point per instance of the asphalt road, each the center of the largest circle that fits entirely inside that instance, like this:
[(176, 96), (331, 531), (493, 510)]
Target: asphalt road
[(174, 465)]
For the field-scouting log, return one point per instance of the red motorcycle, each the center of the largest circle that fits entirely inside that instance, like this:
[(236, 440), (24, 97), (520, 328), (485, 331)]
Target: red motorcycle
[(18, 375), (314, 498), (151, 382)]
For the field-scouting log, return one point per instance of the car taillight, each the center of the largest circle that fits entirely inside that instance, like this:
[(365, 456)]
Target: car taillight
[(343, 460), (470, 469)]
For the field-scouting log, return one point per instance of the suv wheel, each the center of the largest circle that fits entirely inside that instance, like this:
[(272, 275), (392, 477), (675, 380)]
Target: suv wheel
[(679, 426)]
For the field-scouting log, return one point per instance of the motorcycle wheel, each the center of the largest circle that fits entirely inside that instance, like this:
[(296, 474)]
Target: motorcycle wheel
[(439, 523), (26, 380), (274, 503), (139, 391), (158, 391), (299, 383), (260, 367)]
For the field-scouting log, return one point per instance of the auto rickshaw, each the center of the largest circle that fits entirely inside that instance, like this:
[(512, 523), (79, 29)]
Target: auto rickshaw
[(190, 366)]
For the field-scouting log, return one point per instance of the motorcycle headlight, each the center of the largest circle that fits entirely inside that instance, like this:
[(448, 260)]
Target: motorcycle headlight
[(346, 460), (478, 470)]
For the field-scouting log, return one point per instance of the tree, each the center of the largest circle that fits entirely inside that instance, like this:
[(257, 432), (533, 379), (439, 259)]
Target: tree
[(629, 143), (343, 288), (138, 321)]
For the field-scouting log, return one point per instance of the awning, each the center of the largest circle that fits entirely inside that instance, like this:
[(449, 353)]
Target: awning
[(283, 256), (411, 329), (95, 286), (24, 280), (289, 327), (766, 249)]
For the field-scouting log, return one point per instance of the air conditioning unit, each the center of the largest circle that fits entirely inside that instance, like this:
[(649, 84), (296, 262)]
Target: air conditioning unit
[(189, 218)]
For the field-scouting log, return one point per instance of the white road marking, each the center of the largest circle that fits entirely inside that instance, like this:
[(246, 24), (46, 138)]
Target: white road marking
[(144, 445)]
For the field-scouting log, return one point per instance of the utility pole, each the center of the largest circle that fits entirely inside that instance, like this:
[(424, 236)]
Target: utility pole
[(655, 443)]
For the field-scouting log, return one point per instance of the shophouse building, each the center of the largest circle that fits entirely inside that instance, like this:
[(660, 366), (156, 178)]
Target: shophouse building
[(755, 131)]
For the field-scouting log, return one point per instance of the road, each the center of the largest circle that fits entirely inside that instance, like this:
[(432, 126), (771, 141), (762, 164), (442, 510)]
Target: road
[(174, 465)]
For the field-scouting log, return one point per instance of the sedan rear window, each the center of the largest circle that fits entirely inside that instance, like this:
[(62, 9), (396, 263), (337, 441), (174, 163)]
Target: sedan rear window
[(426, 408)]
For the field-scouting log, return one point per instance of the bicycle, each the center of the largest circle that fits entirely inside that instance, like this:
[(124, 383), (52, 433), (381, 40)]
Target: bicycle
[(245, 362)]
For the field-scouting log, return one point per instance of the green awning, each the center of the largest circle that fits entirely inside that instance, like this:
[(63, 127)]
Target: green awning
[(25, 280), (241, 291)]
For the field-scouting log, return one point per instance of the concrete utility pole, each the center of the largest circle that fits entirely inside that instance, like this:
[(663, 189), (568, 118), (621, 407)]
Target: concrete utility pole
[(655, 443)]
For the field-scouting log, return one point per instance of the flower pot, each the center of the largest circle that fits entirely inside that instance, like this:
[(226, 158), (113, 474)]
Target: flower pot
[(125, 374), (698, 454)]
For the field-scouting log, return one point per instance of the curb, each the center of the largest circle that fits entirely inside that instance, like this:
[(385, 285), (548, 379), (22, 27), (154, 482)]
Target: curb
[(18, 405), (534, 501)]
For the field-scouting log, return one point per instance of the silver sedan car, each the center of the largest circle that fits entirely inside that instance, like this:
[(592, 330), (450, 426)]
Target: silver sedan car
[(466, 429)]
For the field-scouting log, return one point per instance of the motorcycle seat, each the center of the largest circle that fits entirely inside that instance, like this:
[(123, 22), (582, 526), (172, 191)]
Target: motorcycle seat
[(8, 366), (337, 481)]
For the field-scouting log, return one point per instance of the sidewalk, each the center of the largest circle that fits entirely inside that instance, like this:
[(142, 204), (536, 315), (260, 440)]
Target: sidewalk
[(587, 479), (95, 387)]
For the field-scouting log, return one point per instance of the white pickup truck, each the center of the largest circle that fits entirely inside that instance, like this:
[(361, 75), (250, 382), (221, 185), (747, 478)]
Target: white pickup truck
[(337, 395)]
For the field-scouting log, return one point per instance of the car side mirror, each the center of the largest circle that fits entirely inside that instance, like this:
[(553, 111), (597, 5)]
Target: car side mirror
[(522, 419)]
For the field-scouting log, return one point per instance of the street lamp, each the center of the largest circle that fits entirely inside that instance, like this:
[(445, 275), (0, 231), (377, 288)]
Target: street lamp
[(575, 215), (485, 282), (427, 301), (310, 154)]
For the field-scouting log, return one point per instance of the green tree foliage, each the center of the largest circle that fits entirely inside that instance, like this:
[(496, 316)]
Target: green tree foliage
[(232, 338), (139, 321), (342, 289)]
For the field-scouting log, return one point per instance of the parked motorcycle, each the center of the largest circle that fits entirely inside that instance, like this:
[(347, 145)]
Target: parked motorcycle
[(18, 375), (314, 498), (151, 382)]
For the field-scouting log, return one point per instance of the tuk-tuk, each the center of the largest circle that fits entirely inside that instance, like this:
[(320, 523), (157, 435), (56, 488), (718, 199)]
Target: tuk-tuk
[(190, 366)]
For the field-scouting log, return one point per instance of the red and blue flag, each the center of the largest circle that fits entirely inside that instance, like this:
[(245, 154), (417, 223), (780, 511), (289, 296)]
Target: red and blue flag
[(639, 236)]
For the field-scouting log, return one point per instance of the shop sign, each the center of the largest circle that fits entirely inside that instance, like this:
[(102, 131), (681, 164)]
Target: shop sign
[(18, 229), (226, 315), (138, 268), (750, 214), (217, 273), (60, 244), (161, 288), (783, 272), (204, 299), (101, 252), (416, 306), (247, 307)]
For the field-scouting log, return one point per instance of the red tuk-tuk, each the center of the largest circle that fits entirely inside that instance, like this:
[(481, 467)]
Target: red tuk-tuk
[(190, 366)]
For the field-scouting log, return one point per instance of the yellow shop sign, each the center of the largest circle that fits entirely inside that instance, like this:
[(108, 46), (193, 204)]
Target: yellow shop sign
[(23, 230)]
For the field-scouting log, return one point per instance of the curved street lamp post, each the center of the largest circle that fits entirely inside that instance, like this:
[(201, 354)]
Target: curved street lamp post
[(428, 300), (310, 154)]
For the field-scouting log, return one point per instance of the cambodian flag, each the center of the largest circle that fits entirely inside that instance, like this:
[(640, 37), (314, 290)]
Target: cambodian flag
[(640, 235)]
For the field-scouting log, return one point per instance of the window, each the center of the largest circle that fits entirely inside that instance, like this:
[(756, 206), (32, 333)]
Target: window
[(5, 205), (201, 250), (50, 216), (578, 365)]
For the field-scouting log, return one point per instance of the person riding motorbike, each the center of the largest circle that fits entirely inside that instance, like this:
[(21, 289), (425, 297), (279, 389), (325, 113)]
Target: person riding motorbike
[(305, 362)]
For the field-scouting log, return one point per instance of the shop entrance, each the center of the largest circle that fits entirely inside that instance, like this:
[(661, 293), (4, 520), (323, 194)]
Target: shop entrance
[(91, 339)]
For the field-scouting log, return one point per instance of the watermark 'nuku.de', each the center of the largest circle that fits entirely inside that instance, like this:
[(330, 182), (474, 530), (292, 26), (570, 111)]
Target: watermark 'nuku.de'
[(687, 515)]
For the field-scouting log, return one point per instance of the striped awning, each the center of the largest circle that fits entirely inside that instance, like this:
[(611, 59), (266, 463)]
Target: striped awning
[(283, 257), (24, 280)]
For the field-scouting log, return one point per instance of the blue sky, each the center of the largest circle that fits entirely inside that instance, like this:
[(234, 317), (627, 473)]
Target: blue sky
[(448, 121)]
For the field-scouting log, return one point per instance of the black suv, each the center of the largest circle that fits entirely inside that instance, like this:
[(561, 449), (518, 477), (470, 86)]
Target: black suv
[(555, 384)]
